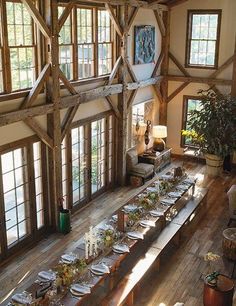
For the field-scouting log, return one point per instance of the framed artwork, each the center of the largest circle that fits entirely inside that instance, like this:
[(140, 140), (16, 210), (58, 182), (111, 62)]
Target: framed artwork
[(144, 44)]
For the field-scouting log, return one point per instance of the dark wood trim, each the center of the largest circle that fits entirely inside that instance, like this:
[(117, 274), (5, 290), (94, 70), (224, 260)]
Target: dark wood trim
[(188, 35), (18, 144)]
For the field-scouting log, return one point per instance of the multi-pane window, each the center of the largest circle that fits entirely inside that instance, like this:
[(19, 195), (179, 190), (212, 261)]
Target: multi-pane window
[(190, 104), (38, 184), (98, 156), (203, 38), (104, 43), (15, 195), (79, 158), (66, 46), (85, 43), (110, 148), (21, 46)]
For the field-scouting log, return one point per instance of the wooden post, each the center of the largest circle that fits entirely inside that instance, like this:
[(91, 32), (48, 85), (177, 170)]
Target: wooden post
[(233, 89), (122, 97), (164, 69), (53, 120)]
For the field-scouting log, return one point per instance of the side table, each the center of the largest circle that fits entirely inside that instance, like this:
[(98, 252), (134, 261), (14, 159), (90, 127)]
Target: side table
[(159, 159), (219, 295)]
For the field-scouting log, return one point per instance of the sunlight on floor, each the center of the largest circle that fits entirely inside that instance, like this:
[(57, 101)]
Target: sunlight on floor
[(7, 295), (23, 277), (162, 304)]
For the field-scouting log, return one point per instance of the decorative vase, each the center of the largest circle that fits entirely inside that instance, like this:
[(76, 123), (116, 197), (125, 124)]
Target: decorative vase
[(214, 164)]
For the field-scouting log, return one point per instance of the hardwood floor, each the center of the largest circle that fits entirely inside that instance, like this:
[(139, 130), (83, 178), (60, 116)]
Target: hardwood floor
[(178, 279)]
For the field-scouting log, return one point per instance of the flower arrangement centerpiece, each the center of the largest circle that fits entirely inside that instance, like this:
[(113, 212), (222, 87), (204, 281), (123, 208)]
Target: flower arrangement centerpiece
[(134, 216), (153, 196), (67, 272), (165, 185), (146, 203), (212, 275), (109, 237)]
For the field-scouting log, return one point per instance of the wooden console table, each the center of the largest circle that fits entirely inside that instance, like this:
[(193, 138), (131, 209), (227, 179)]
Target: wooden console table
[(159, 159)]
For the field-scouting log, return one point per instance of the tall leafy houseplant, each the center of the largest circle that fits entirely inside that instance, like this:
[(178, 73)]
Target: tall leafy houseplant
[(215, 124)]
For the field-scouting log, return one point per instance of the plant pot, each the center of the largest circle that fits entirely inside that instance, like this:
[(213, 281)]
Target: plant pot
[(214, 164), (64, 221)]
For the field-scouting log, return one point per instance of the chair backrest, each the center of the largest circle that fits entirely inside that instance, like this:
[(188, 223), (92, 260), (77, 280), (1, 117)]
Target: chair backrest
[(131, 158)]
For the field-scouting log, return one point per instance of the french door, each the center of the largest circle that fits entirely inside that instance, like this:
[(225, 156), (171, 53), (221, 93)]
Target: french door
[(23, 212), (87, 161)]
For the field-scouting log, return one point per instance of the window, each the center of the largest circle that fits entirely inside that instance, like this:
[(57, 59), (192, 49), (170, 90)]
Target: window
[(15, 194), (203, 38), (66, 46), (190, 104), (85, 43), (104, 43), (21, 45), (23, 194)]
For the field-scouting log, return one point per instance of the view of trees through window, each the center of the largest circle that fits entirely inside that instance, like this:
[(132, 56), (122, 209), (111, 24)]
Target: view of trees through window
[(190, 105), (202, 39), (21, 45)]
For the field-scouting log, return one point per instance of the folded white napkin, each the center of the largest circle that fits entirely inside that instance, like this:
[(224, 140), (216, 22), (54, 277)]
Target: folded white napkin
[(135, 235)]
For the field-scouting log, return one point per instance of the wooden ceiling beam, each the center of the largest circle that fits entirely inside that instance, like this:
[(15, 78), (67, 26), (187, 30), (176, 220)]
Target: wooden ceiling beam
[(114, 19), (67, 83), (68, 120), (37, 17), (38, 85), (134, 3), (43, 135), (174, 3), (114, 70), (160, 23), (65, 14), (158, 63), (113, 107), (177, 91), (222, 67), (132, 17), (177, 63)]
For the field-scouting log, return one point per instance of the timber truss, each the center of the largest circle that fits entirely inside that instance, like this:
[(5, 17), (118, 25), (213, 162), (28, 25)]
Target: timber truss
[(122, 81)]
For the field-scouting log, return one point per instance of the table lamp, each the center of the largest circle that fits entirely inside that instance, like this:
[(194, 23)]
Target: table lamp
[(159, 132)]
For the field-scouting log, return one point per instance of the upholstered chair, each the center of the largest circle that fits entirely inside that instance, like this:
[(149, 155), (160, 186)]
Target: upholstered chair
[(135, 168)]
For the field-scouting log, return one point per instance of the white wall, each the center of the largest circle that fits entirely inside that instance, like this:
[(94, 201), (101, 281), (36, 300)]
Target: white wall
[(177, 47), (19, 130)]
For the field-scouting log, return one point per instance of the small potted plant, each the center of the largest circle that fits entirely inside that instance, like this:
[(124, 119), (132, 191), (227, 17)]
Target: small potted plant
[(213, 128)]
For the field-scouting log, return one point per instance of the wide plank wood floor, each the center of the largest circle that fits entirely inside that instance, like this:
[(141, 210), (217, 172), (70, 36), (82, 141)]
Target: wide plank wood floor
[(178, 279)]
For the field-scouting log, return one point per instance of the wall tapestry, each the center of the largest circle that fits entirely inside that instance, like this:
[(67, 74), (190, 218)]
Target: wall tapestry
[(144, 44)]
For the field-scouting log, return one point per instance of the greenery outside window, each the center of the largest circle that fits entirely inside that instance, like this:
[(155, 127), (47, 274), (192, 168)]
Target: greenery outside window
[(21, 46), (203, 36), (190, 104), (66, 46)]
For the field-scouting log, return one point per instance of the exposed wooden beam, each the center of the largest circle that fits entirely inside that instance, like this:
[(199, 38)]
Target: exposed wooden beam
[(114, 70), (114, 19), (222, 67), (177, 91), (38, 19), (199, 80), (132, 97), (158, 93), (173, 3), (38, 85), (65, 14), (158, 63), (177, 63), (39, 131), (160, 23), (131, 71), (135, 3), (67, 83), (113, 107), (19, 115), (132, 17), (68, 120), (145, 83)]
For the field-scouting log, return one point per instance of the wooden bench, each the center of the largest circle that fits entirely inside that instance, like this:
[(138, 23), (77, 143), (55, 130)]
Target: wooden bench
[(128, 287)]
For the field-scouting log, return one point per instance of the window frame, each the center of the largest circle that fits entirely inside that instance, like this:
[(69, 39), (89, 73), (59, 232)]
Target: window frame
[(184, 119), (7, 47), (190, 14)]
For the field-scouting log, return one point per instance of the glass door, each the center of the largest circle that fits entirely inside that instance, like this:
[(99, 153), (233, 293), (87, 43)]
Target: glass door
[(80, 170), (98, 155), (23, 196)]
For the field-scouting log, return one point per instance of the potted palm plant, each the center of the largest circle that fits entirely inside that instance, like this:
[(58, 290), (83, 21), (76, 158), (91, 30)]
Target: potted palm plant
[(214, 128)]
